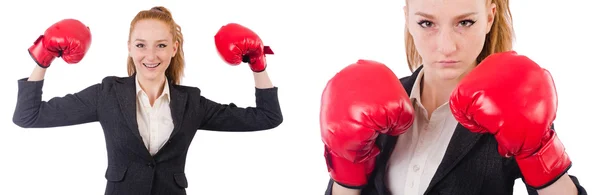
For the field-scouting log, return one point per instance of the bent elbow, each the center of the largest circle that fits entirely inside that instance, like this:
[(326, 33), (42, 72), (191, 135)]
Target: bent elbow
[(24, 121), (276, 121), (20, 122)]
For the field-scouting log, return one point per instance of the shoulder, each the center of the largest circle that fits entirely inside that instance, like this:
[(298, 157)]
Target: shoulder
[(186, 88), (404, 80), (409, 81), (111, 80), (194, 93)]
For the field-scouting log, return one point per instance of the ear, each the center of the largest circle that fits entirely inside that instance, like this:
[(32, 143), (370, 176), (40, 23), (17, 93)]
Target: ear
[(491, 16), (176, 45), (129, 48), (406, 22), (405, 15)]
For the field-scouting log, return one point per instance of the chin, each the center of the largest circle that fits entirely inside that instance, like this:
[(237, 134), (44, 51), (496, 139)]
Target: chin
[(449, 73), (152, 75)]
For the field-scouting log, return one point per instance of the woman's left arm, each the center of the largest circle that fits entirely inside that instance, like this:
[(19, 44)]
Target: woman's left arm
[(262, 80), (228, 117), (563, 186)]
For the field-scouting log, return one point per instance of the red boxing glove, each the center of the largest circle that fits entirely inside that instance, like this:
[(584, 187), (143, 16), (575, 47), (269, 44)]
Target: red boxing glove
[(358, 103), (68, 38), (236, 43), (513, 98)]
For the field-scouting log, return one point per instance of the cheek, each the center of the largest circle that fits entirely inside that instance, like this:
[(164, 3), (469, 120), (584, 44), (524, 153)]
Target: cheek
[(136, 56), (474, 40), (165, 55), (165, 58), (424, 41)]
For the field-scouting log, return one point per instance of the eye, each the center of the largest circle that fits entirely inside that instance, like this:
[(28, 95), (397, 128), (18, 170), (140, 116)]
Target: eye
[(162, 45), (425, 23), (139, 45), (466, 23)]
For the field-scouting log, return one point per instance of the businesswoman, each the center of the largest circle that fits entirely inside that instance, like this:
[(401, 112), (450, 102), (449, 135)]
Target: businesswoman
[(472, 118), (148, 118)]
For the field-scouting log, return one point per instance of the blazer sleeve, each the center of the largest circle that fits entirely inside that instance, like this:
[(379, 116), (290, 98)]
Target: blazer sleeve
[(228, 117), (329, 189), (72, 109)]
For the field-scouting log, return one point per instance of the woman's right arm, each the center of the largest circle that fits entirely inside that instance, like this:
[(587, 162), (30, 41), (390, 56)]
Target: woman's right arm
[(71, 109), (37, 74), (337, 189)]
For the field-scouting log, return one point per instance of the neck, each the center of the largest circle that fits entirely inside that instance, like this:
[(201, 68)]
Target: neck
[(435, 91), (153, 88)]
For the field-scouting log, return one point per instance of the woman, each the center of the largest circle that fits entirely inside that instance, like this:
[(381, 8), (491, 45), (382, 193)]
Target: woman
[(148, 118), (443, 130)]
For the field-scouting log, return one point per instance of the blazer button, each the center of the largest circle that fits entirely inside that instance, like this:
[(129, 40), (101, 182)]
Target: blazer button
[(151, 165)]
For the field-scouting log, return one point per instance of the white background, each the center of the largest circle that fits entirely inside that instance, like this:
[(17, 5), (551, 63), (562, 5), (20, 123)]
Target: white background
[(312, 40)]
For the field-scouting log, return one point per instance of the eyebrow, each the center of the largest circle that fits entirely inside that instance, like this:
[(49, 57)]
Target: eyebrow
[(432, 17), (142, 40)]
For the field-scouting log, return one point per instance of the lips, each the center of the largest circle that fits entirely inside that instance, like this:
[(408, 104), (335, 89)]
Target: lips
[(447, 61), (148, 65)]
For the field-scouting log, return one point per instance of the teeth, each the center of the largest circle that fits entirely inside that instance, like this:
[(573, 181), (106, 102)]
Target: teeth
[(151, 65)]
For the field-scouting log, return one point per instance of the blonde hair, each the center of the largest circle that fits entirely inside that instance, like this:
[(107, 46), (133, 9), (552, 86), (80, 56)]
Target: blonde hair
[(499, 39), (175, 71)]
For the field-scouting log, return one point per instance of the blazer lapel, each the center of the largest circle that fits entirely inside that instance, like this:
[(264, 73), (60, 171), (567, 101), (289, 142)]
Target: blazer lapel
[(461, 143), (178, 104), (128, 103)]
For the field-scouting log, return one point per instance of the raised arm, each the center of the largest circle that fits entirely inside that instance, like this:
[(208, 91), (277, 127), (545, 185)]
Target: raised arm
[(69, 39), (236, 44), (71, 109), (228, 117)]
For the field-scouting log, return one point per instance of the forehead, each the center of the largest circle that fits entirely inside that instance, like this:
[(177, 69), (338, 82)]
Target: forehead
[(446, 7), (151, 30)]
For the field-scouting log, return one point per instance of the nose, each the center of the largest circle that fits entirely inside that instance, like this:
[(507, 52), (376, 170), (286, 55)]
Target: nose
[(150, 54), (446, 41)]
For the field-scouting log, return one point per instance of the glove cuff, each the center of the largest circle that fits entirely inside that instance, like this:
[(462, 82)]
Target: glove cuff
[(258, 69), (350, 174), (40, 54), (258, 64), (547, 165)]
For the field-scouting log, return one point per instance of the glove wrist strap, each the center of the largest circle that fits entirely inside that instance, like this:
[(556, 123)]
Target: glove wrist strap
[(40, 54), (547, 165), (349, 174)]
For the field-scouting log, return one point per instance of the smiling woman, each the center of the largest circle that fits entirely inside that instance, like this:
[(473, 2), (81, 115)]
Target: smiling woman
[(155, 49), (149, 120)]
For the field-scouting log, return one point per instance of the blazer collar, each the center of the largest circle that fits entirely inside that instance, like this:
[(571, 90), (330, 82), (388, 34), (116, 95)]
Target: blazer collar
[(165, 92), (127, 99), (461, 143)]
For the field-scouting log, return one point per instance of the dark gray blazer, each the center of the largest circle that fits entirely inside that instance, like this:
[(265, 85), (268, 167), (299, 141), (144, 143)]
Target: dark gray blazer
[(131, 169), (471, 165)]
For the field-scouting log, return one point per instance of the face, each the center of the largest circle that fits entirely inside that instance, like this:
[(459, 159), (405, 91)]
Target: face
[(449, 34), (151, 47)]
